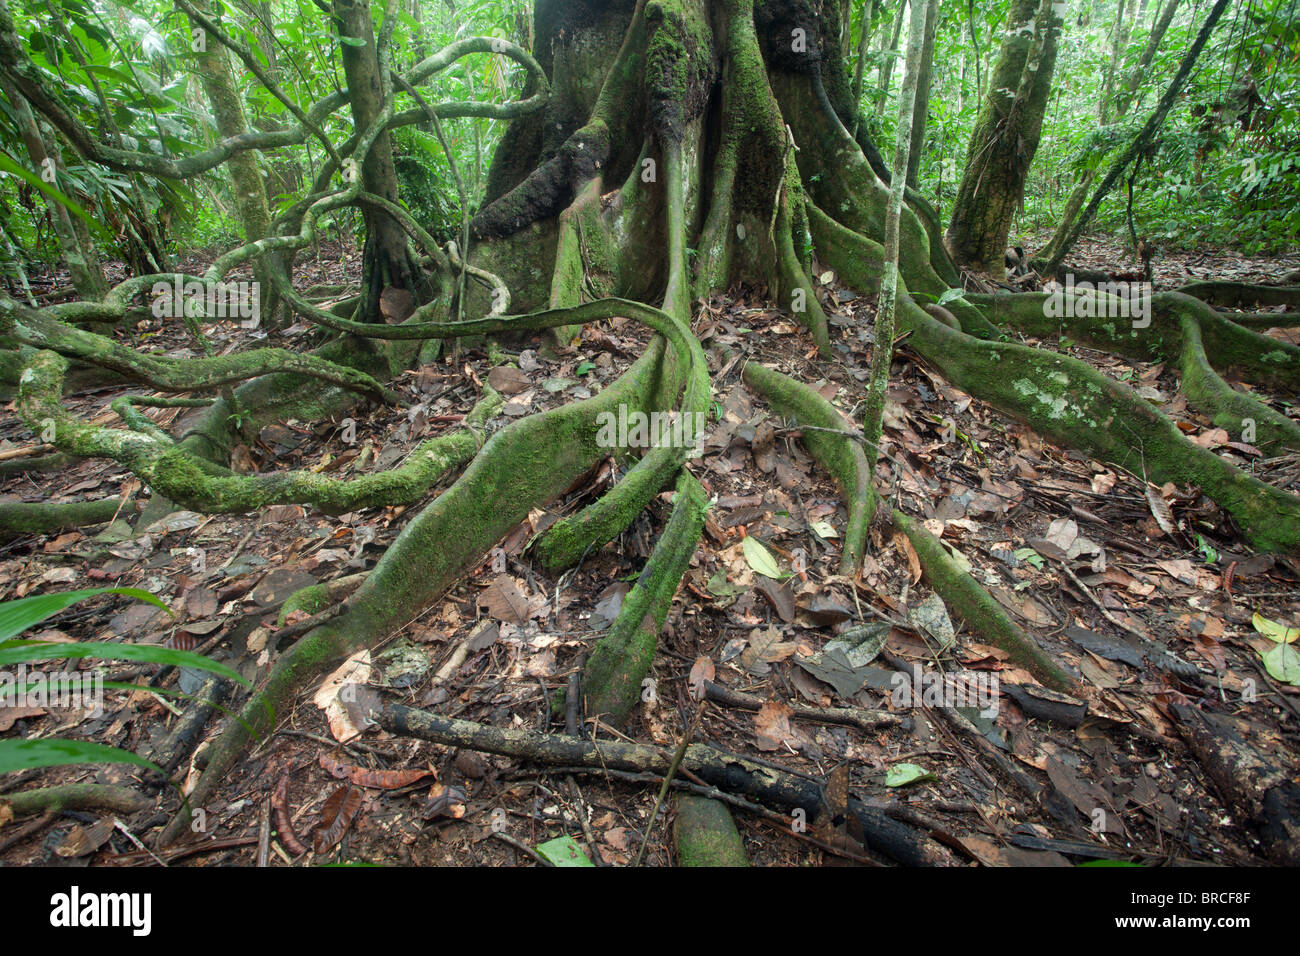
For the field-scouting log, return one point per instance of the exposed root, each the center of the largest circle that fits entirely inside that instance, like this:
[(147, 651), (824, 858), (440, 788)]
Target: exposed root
[(977, 607), (620, 660), (177, 375), (728, 772), (523, 465), (155, 458), (76, 796), (705, 833), (1243, 295), (44, 517), (1229, 409), (1077, 406), (843, 458)]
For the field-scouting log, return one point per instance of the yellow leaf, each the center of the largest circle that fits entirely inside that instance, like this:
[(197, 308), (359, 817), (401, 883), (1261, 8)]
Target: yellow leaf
[(1275, 631)]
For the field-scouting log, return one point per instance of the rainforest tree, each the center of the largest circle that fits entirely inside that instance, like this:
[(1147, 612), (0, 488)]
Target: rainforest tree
[(662, 150)]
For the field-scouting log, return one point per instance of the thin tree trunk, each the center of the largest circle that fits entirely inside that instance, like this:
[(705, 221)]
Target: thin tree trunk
[(922, 110), (212, 64), (389, 261), (1124, 99), (882, 357), (864, 44), (887, 59), (1123, 23)]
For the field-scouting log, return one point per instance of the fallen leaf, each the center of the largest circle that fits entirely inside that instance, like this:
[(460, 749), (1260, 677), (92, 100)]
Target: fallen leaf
[(772, 725), (1160, 510), (336, 816), (701, 671), (504, 601), (759, 558), (376, 779), (332, 697), (902, 774)]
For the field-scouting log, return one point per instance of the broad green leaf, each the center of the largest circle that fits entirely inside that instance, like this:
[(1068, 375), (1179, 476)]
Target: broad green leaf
[(563, 851), (1283, 663), (53, 752), (17, 616), (9, 165), (1275, 631), (824, 529), (949, 295), (901, 774), (760, 559), (15, 652), (1030, 556)]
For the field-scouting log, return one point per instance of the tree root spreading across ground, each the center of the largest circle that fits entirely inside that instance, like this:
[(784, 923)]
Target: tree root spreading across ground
[(754, 168)]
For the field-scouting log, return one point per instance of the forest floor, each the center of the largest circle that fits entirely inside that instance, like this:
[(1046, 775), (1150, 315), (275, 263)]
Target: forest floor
[(1018, 509)]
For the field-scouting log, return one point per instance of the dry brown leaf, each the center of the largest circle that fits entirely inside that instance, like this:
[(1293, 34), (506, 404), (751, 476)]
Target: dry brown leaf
[(376, 779), (913, 559), (504, 601), (355, 670), (702, 670), (335, 818), (1160, 510), (772, 725)]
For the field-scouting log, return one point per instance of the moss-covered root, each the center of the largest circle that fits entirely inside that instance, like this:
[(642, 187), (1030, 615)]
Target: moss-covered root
[(316, 598), (976, 606), (43, 517), (38, 330), (1243, 294), (1077, 406), (861, 263), (705, 834), (183, 478), (76, 796), (522, 466), (620, 661), (795, 283), (840, 455), (564, 543), (1117, 322), (1239, 413)]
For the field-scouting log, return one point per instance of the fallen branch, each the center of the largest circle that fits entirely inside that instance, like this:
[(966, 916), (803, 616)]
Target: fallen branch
[(730, 774)]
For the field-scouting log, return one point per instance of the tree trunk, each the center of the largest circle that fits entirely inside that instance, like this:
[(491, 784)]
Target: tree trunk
[(922, 99), (212, 64), (1005, 138), (887, 58), (389, 261), (1123, 23)]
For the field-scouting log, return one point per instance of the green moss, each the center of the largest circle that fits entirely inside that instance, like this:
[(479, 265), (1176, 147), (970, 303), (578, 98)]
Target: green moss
[(706, 835), (838, 454), (620, 661), (977, 607)]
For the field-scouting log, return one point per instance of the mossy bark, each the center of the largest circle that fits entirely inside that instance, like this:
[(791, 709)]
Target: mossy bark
[(706, 835)]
